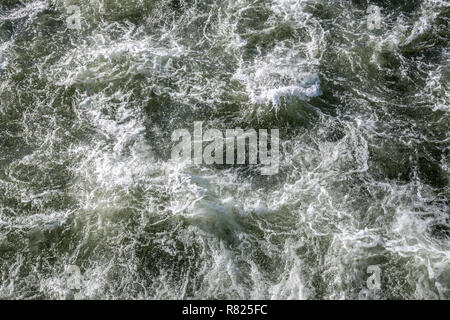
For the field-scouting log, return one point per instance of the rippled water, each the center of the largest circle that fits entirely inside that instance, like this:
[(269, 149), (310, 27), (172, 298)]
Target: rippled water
[(92, 207)]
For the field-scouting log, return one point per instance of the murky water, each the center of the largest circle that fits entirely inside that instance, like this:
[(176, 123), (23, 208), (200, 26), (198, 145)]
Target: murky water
[(91, 206)]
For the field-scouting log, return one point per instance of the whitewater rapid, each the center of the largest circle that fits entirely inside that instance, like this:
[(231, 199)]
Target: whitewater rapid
[(92, 206)]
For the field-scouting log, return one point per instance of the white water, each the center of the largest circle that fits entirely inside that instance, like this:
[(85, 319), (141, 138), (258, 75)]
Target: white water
[(85, 179)]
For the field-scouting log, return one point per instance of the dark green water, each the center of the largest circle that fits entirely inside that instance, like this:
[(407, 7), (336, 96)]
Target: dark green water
[(92, 207)]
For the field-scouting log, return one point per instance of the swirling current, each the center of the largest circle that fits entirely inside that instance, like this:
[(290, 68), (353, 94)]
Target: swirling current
[(93, 207)]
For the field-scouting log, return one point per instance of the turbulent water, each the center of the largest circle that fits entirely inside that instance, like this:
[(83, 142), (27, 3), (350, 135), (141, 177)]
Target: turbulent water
[(91, 206)]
